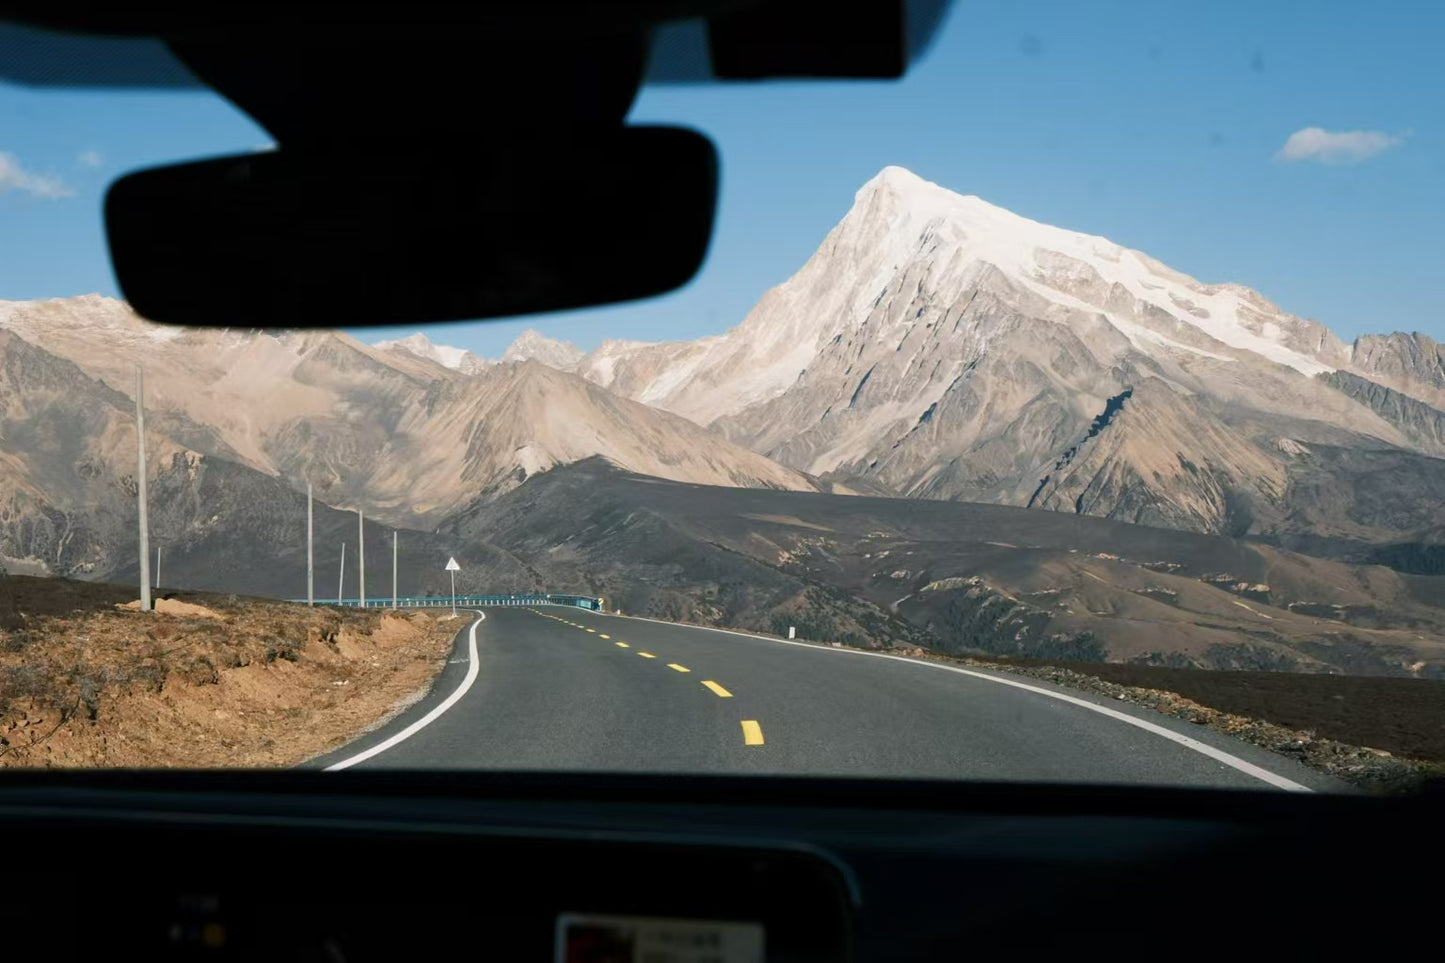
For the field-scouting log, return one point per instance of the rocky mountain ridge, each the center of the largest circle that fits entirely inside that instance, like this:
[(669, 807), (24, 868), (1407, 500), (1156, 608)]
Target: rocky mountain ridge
[(407, 437), (934, 347), (937, 346)]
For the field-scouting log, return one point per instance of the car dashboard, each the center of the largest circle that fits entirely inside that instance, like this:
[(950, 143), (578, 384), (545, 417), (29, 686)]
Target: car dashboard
[(358, 867)]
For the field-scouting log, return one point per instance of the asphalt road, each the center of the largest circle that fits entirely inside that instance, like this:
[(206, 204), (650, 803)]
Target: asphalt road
[(561, 688)]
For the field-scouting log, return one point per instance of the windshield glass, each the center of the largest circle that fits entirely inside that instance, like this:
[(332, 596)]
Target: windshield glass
[(1072, 410)]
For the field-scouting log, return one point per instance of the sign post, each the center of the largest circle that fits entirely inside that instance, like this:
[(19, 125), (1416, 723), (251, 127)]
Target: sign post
[(454, 568)]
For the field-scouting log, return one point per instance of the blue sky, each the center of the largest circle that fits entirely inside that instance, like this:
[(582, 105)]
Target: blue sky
[(1161, 126)]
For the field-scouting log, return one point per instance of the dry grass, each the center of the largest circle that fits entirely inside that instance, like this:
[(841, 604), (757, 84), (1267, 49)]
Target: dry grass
[(216, 681)]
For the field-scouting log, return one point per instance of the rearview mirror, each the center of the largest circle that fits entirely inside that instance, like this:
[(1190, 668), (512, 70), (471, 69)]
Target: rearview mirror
[(366, 237)]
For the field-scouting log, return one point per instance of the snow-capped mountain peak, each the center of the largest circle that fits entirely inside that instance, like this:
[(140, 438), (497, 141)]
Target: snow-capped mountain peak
[(938, 345), (1151, 304), (457, 359)]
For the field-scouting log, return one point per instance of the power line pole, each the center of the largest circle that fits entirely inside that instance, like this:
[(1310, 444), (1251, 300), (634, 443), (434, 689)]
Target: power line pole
[(310, 558), (140, 472), (393, 568), (361, 551), (341, 579)]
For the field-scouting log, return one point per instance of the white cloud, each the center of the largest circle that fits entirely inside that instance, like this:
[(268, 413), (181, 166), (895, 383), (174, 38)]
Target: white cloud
[(13, 177), (89, 158), (1336, 146)]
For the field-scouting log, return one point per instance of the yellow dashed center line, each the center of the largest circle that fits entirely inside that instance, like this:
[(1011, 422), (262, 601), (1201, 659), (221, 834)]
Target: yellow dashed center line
[(752, 732)]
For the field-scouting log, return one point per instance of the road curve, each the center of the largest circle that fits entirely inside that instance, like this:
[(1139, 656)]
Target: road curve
[(558, 688)]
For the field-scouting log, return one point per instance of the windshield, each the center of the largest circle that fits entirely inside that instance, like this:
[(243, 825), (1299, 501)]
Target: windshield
[(1072, 410)]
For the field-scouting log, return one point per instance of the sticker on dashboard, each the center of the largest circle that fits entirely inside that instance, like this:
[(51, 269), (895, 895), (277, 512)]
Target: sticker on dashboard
[(585, 938)]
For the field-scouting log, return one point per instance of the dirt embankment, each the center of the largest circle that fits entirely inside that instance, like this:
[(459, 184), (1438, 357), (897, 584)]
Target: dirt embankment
[(205, 681)]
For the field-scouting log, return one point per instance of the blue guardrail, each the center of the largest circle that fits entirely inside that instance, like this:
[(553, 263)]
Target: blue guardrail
[(465, 601)]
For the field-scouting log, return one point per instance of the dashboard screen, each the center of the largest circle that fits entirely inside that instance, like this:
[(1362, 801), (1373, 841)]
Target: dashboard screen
[(584, 938)]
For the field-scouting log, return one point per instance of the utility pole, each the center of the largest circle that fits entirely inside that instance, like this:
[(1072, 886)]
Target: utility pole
[(158, 566), (310, 558), (140, 475), (341, 579), (393, 569), (361, 551)]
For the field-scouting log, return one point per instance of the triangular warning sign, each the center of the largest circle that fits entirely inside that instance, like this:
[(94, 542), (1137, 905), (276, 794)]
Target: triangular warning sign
[(452, 565)]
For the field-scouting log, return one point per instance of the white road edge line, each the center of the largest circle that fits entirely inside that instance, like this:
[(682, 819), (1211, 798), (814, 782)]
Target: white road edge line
[(430, 717), (1203, 748)]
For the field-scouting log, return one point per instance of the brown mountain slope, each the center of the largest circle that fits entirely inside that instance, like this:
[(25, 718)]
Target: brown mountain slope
[(399, 435), (960, 577)]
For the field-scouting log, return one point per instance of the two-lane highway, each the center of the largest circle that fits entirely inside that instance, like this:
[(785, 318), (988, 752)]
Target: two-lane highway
[(561, 688)]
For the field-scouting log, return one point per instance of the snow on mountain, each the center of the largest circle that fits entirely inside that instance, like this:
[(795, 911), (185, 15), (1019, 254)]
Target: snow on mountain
[(647, 371), (917, 217), (933, 346), (938, 346), (898, 221), (457, 359)]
